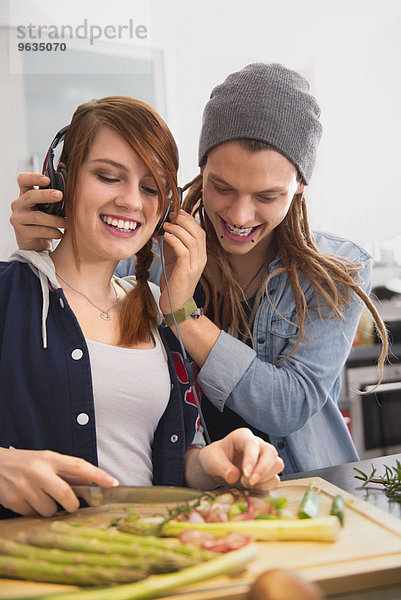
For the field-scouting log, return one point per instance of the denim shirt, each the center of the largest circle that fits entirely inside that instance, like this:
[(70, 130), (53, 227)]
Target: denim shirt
[(293, 401)]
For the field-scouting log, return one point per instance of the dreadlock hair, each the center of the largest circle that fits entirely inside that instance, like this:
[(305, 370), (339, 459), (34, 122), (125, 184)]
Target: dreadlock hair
[(334, 280), (148, 135)]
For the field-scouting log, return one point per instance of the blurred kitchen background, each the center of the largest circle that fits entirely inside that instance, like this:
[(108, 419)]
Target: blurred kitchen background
[(350, 52)]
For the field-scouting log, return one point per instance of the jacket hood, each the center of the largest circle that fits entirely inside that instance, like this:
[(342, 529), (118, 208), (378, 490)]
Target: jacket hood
[(43, 267)]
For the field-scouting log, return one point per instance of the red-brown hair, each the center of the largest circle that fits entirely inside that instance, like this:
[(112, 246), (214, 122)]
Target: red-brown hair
[(148, 135)]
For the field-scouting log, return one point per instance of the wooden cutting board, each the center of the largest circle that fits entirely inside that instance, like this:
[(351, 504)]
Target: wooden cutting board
[(367, 554)]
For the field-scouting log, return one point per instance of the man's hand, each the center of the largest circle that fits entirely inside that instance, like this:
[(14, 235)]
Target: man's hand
[(34, 229)]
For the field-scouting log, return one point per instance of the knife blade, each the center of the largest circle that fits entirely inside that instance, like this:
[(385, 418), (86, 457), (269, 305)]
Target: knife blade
[(95, 495)]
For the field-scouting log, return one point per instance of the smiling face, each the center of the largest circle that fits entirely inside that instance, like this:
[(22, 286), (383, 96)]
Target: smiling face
[(246, 195), (117, 204)]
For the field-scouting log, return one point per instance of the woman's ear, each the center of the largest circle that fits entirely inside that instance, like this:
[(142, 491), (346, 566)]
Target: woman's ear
[(300, 188)]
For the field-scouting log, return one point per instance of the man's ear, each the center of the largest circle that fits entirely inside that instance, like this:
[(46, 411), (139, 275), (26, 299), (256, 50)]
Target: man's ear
[(300, 188), (201, 170)]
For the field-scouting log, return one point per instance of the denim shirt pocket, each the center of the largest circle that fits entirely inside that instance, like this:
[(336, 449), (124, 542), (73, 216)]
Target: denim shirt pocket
[(284, 326), (281, 332)]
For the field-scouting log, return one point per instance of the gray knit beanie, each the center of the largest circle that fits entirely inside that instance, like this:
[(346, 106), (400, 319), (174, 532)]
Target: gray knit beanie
[(269, 103)]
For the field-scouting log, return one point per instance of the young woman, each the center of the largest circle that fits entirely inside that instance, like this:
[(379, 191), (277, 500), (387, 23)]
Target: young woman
[(281, 304), (85, 377)]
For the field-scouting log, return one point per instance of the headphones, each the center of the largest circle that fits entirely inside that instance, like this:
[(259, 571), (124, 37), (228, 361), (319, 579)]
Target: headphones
[(58, 181), (58, 178), (159, 227)]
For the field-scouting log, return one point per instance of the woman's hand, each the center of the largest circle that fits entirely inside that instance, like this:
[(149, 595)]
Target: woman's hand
[(34, 229), (240, 457), (185, 259), (32, 481)]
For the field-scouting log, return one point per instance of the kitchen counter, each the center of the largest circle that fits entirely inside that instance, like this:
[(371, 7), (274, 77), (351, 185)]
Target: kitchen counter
[(367, 553), (343, 476), (361, 356)]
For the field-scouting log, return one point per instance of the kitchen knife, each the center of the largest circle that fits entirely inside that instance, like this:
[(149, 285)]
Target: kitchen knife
[(97, 496)]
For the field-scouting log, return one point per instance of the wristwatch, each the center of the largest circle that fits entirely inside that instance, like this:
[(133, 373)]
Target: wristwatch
[(189, 309)]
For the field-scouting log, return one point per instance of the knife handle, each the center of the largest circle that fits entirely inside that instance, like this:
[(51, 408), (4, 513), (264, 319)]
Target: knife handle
[(92, 494)]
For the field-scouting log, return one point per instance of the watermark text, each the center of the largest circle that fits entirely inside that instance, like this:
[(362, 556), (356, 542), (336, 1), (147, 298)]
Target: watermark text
[(85, 30)]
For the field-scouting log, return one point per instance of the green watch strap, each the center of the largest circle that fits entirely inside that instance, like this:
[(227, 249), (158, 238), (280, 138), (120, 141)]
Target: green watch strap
[(182, 313)]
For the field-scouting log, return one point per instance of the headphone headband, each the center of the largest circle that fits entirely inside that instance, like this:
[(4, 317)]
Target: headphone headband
[(48, 162)]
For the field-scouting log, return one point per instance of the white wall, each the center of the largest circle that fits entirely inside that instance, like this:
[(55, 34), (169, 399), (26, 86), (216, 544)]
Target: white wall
[(348, 49), (13, 151), (351, 53)]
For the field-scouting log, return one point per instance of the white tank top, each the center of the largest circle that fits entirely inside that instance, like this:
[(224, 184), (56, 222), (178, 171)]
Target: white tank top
[(131, 389)]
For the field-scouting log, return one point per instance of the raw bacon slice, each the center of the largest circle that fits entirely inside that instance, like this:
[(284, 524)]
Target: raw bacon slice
[(232, 541), (257, 506)]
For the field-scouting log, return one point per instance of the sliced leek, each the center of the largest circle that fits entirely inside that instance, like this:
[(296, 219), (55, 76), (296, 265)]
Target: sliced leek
[(321, 529)]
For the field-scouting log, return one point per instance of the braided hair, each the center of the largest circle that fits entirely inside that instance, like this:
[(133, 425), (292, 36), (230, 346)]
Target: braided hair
[(139, 313)]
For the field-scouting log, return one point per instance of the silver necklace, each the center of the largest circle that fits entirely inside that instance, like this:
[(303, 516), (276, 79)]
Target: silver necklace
[(104, 313)]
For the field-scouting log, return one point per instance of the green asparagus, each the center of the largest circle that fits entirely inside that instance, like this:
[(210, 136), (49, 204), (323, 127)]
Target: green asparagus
[(146, 563), (157, 585), (76, 543), (14, 567), (125, 537)]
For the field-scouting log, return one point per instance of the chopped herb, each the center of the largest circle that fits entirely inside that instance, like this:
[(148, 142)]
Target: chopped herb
[(309, 508), (237, 508), (130, 508), (278, 503), (80, 523), (338, 508)]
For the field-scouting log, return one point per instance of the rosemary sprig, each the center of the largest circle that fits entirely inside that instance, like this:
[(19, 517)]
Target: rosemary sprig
[(186, 508), (144, 528), (391, 480)]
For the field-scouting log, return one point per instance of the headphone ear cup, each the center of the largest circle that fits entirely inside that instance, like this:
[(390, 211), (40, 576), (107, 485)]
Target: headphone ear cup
[(61, 180), (58, 179), (159, 227)]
